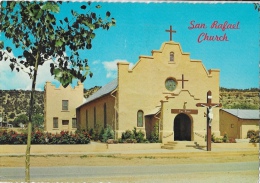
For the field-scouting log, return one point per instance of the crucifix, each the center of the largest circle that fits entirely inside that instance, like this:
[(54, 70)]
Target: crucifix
[(171, 31), (209, 107), (182, 80)]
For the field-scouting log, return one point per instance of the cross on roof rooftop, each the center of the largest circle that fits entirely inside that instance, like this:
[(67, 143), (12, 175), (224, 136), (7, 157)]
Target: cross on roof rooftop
[(171, 31)]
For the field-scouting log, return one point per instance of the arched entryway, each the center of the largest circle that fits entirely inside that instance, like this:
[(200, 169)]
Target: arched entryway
[(182, 127)]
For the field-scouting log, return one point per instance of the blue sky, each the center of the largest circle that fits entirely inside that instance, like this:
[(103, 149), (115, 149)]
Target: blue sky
[(140, 28)]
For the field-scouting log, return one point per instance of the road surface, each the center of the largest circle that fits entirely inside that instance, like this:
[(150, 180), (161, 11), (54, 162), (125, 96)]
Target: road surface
[(212, 172)]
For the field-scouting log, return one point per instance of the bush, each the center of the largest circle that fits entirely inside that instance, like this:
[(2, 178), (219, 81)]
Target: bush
[(108, 134), (100, 137), (225, 138), (253, 135), (12, 137), (154, 138), (20, 119), (127, 135), (138, 136), (38, 137), (133, 136), (94, 135)]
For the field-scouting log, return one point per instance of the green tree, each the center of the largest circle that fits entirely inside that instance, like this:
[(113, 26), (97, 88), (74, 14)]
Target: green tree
[(243, 106), (33, 28), (12, 115), (20, 119), (37, 121)]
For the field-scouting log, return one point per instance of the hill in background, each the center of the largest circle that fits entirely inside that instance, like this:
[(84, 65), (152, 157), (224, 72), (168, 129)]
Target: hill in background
[(16, 102)]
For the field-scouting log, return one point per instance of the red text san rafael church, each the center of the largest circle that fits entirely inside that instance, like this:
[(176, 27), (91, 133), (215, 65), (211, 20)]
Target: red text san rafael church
[(163, 88)]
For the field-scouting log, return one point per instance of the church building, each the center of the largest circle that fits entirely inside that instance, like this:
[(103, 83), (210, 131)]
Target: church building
[(163, 88), (59, 107)]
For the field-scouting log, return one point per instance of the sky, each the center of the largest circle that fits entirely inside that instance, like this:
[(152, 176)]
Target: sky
[(140, 28)]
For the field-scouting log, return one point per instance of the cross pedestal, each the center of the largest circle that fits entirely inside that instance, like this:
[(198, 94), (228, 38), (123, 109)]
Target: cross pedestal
[(209, 106)]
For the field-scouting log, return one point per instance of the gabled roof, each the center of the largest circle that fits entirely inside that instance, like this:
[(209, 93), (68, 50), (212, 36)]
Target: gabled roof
[(101, 92), (243, 113)]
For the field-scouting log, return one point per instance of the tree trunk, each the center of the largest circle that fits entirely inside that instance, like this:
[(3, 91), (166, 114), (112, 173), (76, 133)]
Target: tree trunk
[(29, 128)]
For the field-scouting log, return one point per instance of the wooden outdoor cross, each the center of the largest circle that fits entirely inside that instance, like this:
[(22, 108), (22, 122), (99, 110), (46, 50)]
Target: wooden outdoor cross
[(182, 80), (209, 106), (171, 31)]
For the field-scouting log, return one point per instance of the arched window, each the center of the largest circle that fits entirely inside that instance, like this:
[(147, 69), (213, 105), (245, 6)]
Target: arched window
[(140, 118), (172, 56)]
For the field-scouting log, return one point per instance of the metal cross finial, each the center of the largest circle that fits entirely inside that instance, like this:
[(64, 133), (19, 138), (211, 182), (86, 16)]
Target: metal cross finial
[(171, 31)]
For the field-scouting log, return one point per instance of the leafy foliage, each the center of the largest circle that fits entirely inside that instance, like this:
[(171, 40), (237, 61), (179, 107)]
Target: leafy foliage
[(215, 139), (243, 106), (253, 135), (154, 138), (20, 119), (39, 137), (108, 134), (37, 121), (95, 134), (257, 6), (33, 27), (133, 136)]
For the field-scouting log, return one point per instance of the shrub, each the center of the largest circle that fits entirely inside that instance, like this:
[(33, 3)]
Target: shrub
[(108, 134), (100, 137), (133, 136), (225, 138), (138, 136), (38, 137), (94, 135), (213, 137), (127, 135), (253, 135), (12, 137), (20, 119), (154, 138)]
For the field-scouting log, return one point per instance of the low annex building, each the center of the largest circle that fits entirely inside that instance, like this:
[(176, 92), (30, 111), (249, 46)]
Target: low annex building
[(237, 122), (59, 107), (163, 88)]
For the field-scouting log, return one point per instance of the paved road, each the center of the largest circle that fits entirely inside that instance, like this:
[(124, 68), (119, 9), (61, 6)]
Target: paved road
[(155, 173)]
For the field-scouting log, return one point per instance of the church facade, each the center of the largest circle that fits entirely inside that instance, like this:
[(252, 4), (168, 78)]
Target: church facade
[(163, 88), (59, 107)]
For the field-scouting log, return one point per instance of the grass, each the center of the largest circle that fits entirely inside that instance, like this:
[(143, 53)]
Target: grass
[(84, 156), (106, 156)]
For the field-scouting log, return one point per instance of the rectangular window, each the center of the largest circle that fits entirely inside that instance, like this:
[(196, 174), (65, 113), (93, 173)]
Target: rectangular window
[(74, 123), (65, 105), (65, 122), (95, 122), (55, 123), (105, 115)]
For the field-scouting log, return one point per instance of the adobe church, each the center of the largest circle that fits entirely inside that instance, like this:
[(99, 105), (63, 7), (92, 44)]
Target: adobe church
[(163, 88)]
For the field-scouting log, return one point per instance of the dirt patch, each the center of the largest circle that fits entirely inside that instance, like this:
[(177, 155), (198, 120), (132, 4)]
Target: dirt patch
[(128, 159)]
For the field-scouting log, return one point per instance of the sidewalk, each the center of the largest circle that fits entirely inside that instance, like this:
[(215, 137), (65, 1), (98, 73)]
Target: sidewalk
[(122, 149)]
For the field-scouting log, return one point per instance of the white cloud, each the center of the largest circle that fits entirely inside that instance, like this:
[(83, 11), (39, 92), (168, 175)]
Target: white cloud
[(96, 62), (111, 67), (12, 79), (21, 80)]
